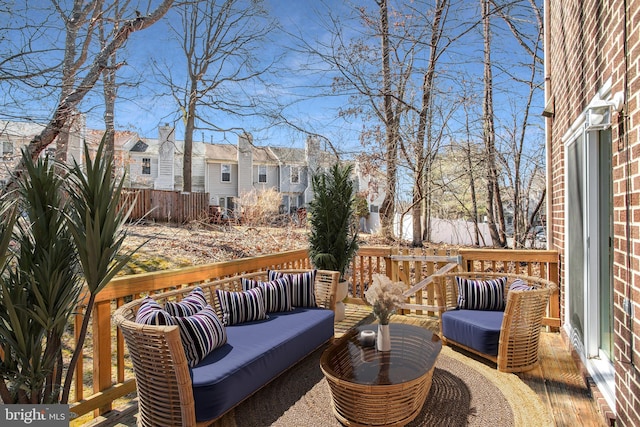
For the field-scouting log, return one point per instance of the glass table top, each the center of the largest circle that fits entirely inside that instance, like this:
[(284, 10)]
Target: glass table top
[(414, 351)]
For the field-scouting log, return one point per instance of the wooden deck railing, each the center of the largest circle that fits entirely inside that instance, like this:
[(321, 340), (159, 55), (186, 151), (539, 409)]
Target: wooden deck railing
[(110, 380), (370, 260)]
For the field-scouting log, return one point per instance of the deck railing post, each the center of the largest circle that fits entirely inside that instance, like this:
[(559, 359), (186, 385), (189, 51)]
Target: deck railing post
[(102, 349)]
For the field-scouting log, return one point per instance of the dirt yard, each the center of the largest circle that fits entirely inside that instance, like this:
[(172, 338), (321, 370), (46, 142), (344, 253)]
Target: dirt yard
[(166, 246), (170, 246)]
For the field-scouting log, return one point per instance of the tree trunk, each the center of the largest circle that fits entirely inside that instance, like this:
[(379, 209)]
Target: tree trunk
[(188, 137), (472, 186), (488, 134), (109, 79), (425, 124), (416, 213), (391, 153), (110, 88)]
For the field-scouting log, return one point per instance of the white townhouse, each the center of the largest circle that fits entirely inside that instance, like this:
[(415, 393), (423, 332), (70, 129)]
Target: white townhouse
[(225, 171)]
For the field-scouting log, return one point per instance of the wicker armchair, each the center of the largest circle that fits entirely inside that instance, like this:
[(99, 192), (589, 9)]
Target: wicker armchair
[(521, 324), (165, 393)]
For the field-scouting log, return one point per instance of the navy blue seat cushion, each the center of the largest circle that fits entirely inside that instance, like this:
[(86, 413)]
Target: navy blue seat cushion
[(477, 329), (255, 353)]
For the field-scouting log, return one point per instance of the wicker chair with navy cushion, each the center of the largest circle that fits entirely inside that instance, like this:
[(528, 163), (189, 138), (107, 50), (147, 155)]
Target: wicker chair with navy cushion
[(497, 316)]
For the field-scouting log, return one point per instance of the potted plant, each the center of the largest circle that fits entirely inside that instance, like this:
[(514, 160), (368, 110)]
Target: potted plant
[(333, 240)]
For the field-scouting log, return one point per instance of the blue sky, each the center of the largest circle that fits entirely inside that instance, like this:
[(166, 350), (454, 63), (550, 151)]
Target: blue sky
[(141, 110)]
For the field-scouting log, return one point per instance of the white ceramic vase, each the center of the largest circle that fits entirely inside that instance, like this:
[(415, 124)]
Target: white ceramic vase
[(383, 342), (341, 294)]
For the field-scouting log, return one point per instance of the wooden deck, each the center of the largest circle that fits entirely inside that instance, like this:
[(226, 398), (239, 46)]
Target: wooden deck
[(557, 381)]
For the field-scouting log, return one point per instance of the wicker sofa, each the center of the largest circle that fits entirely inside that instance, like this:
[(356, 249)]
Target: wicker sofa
[(509, 335), (171, 393)]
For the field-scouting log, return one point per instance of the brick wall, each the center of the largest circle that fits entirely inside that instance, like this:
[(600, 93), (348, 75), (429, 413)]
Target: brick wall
[(586, 48)]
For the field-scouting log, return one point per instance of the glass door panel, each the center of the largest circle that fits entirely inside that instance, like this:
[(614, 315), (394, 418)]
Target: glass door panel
[(575, 217)]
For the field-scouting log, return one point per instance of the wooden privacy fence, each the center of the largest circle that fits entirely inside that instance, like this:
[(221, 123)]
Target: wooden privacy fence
[(166, 206), (111, 379)]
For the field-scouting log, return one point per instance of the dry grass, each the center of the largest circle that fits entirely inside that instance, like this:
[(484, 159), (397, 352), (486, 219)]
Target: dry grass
[(170, 246)]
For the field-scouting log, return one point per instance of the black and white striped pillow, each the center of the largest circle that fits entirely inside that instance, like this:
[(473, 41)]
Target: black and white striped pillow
[(201, 333), (152, 313), (277, 293), (303, 287), (239, 307), (189, 305), (520, 285), (481, 294)]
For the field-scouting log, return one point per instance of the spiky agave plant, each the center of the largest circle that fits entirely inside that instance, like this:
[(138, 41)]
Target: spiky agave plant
[(40, 287), (96, 223), (333, 239), (68, 238)]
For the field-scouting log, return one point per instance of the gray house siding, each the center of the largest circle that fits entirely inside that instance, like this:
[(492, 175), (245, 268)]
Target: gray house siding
[(216, 187), (271, 175), (137, 163)]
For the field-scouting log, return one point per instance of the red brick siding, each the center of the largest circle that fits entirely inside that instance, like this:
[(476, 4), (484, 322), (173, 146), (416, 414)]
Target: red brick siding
[(586, 48)]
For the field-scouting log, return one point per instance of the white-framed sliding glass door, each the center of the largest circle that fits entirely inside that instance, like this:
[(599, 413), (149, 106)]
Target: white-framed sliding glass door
[(588, 253)]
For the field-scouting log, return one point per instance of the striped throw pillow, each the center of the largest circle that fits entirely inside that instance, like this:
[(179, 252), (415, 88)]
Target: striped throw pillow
[(277, 293), (190, 305), (303, 287), (239, 307), (201, 333), (152, 313), (481, 294), (520, 285)]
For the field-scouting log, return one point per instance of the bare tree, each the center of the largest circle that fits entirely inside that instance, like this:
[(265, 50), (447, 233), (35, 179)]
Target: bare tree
[(74, 91), (83, 15), (393, 88), (222, 43), (110, 87), (28, 63), (430, 132), (495, 211), (390, 119), (521, 158), (426, 117)]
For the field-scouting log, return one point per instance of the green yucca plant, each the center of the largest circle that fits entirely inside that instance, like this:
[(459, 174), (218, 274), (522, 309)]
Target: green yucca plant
[(333, 240), (65, 241)]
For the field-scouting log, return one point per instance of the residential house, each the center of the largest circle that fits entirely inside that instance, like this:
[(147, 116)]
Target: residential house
[(14, 136), (122, 140), (225, 171), (232, 171), (158, 163), (592, 108)]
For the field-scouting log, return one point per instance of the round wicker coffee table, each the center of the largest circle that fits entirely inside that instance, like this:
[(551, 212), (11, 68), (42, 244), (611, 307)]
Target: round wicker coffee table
[(374, 388)]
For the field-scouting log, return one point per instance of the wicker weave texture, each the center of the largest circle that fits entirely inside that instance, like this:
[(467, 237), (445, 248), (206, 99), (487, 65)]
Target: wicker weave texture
[(162, 374), (163, 380), (381, 404), (522, 321)]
